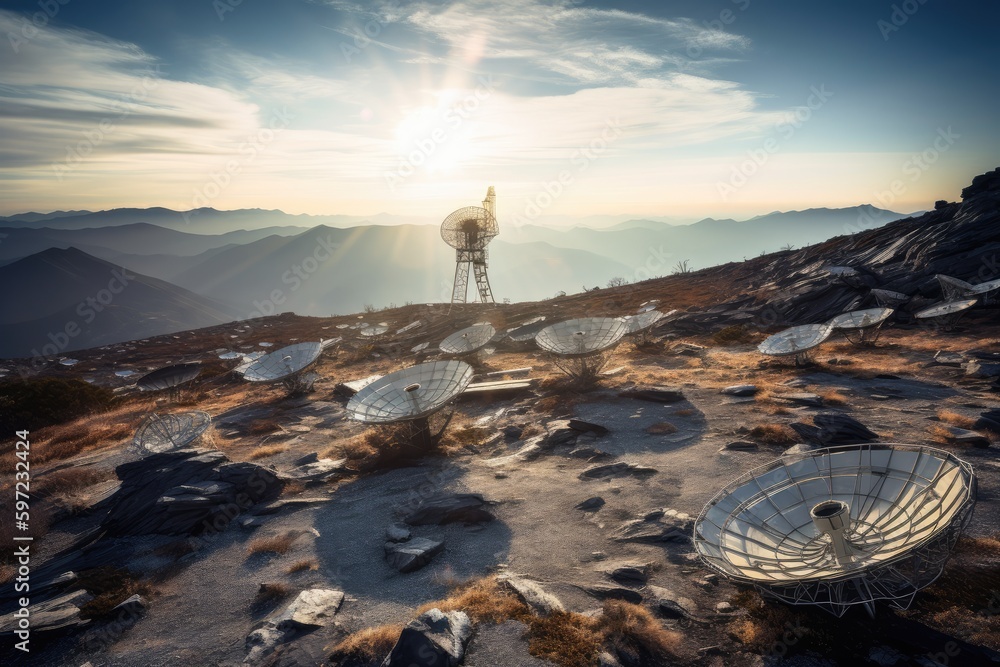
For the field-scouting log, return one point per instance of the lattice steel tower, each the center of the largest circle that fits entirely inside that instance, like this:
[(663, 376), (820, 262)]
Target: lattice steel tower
[(469, 230)]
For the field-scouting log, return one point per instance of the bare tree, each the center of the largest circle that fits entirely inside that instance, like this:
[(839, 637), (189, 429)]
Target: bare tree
[(617, 281), (682, 266)]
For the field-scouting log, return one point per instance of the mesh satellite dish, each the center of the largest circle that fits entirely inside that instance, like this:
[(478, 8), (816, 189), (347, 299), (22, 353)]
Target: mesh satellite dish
[(410, 327), (164, 433), (420, 347), (861, 327), (374, 331), (947, 313), (582, 347), (647, 306), (956, 290), (287, 366), (642, 322), (797, 341), (411, 395), (169, 378), (469, 230), (527, 330), (888, 298), (842, 526), (468, 341), (230, 356)]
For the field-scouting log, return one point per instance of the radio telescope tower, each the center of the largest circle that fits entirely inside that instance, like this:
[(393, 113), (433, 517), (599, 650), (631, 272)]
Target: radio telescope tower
[(469, 230)]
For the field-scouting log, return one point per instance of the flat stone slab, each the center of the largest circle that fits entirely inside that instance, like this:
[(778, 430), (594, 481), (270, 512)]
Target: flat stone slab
[(617, 470), (665, 525), (313, 608), (413, 554), (741, 390), (590, 504), (435, 639), (654, 394), (802, 398), (606, 592), (452, 508)]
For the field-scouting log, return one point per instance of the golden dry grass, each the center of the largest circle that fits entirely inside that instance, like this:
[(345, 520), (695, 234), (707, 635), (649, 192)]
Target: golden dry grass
[(263, 426), (482, 600), (110, 587), (566, 639), (661, 428), (275, 544), (832, 396), (368, 646), (304, 565), (956, 419), (265, 451), (632, 630), (773, 434), (270, 593)]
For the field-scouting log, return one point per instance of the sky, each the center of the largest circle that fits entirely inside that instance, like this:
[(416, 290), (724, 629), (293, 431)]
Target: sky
[(682, 110)]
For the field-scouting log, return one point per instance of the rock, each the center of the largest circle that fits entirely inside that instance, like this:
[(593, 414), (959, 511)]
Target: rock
[(593, 503), (741, 446), (185, 492), (308, 458), (531, 593), (450, 508), (741, 390), (397, 533), (433, 639), (313, 608), (801, 448), (58, 614), (660, 526), (654, 394), (961, 436), (802, 398), (979, 369), (261, 643), (589, 453), (133, 607), (588, 427), (412, 555), (630, 574), (672, 605), (943, 358), (320, 471), (834, 428), (617, 470), (724, 608), (513, 432), (606, 592), (276, 506), (987, 424)]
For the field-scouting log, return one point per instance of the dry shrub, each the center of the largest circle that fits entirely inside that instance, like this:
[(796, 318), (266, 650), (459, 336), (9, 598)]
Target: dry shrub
[(737, 334), (565, 638), (264, 451), (763, 625), (832, 397), (631, 630), (263, 426), (270, 594), (367, 647), (381, 447), (482, 600), (292, 488), (773, 434), (276, 544), (110, 586), (941, 434), (79, 437), (956, 419), (661, 428), (305, 565), (462, 437), (69, 481)]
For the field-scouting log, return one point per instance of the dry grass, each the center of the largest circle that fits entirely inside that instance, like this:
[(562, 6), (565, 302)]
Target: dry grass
[(482, 600), (265, 451), (762, 627), (832, 397), (82, 435), (737, 334), (366, 647), (956, 419), (305, 565), (661, 428), (66, 488), (380, 447), (631, 630), (566, 639), (263, 427), (110, 587), (276, 544), (773, 434), (270, 594), (686, 412)]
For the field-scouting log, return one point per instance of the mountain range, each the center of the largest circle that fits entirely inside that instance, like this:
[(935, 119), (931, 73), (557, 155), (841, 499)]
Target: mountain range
[(237, 266)]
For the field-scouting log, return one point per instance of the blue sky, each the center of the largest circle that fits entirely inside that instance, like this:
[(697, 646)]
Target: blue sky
[(728, 108)]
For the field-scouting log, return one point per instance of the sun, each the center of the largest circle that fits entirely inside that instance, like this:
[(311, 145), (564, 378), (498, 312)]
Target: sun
[(435, 139)]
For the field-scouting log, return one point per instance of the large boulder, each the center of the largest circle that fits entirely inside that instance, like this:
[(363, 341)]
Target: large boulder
[(450, 508), (433, 639)]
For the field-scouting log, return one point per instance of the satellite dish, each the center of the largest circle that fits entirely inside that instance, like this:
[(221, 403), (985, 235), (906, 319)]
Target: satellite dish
[(343, 326), (647, 306), (956, 290), (642, 322), (582, 347), (468, 341), (229, 356), (469, 230), (527, 330), (841, 526), (286, 365), (164, 433), (796, 341), (168, 377), (861, 327), (888, 298), (410, 327), (420, 347), (948, 312), (412, 393), (374, 331)]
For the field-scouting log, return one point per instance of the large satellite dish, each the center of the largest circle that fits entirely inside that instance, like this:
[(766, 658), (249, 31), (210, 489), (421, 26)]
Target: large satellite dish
[(581, 347), (286, 365), (841, 526), (469, 230), (861, 327), (888, 298), (955, 289), (468, 341), (411, 393), (795, 341), (168, 377), (164, 433), (642, 322)]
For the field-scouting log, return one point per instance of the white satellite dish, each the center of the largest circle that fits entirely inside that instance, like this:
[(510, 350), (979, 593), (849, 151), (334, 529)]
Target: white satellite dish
[(374, 331), (468, 341), (861, 327), (168, 377), (582, 347), (647, 306), (420, 347), (642, 322), (888, 298), (164, 433), (948, 312), (286, 365), (795, 341), (412, 393), (841, 526), (526, 331)]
